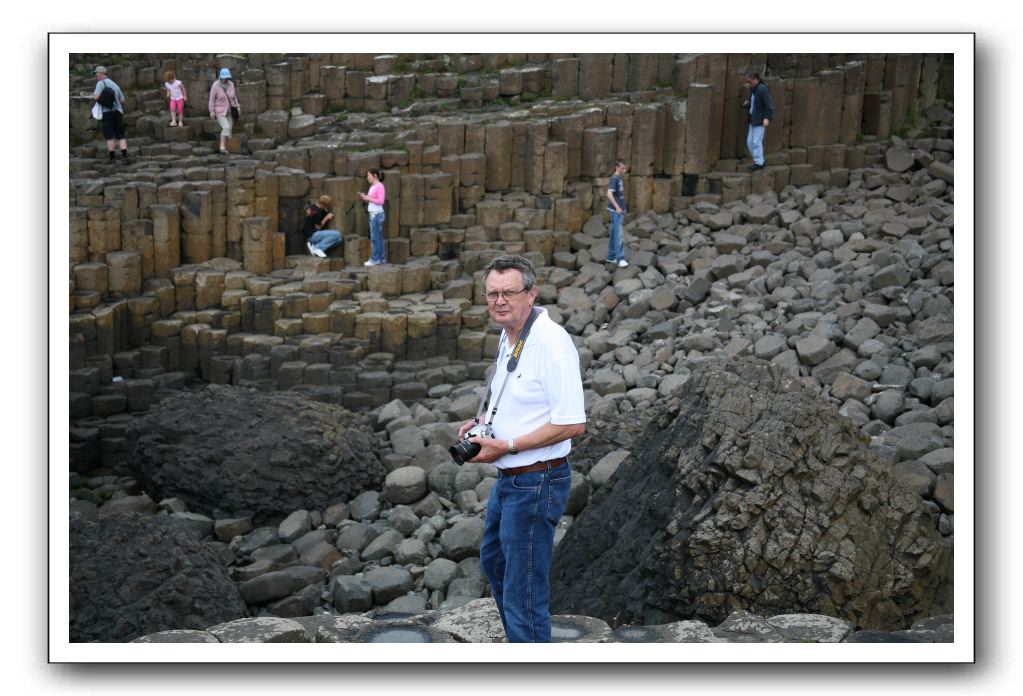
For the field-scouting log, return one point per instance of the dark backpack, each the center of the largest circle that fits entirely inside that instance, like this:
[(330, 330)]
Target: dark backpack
[(106, 97)]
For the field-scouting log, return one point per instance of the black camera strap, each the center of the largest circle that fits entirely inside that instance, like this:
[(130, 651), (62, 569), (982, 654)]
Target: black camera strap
[(513, 362)]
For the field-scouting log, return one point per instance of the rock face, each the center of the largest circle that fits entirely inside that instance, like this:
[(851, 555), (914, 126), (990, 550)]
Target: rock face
[(262, 454), (749, 492), (133, 574)]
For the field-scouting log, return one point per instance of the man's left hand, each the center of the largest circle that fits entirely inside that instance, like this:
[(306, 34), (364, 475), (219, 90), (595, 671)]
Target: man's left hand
[(491, 449)]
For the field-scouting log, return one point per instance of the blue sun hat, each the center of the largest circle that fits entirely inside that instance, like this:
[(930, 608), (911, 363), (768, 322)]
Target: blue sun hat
[(225, 74)]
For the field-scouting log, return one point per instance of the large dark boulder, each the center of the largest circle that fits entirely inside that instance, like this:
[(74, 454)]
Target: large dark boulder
[(132, 574), (235, 451), (750, 492)]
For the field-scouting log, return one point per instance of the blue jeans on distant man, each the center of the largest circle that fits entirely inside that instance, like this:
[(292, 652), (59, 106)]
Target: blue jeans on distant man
[(325, 239), (376, 237), (518, 548), (615, 247), (755, 143)]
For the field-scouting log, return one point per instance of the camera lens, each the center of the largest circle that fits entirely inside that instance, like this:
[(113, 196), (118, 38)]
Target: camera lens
[(463, 450)]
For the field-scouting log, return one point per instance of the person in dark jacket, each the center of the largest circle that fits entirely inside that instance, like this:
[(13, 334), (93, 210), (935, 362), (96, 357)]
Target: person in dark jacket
[(761, 111)]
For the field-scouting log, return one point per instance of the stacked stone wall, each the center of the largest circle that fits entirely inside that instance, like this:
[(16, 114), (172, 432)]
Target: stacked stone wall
[(194, 266)]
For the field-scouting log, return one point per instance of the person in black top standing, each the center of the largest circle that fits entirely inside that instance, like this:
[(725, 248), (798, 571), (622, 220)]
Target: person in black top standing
[(761, 111), (112, 122)]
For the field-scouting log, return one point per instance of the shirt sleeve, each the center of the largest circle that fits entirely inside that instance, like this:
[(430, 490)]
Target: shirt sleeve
[(563, 385)]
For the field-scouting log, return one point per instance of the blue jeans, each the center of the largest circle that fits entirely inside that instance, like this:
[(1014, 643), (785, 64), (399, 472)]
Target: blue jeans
[(518, 547), (376, 237), (325, 239), (615, 248), (755, 143)]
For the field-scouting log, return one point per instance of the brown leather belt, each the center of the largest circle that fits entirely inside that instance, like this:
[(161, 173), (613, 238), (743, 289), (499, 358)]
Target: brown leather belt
[(539, 466)]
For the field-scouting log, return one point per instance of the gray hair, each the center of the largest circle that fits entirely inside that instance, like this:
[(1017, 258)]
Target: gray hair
[(508, 263)]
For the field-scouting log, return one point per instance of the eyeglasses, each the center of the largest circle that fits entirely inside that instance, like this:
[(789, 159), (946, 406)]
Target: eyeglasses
[(506, 294)]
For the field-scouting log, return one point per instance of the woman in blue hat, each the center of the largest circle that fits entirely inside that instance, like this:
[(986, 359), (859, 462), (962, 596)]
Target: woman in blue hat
[(224, 106)]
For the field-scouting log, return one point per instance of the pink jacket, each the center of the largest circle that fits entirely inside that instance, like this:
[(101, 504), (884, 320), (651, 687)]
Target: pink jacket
[(222, 99)]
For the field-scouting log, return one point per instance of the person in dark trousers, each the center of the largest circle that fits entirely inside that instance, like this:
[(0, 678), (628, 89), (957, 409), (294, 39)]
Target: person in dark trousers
[(541, 409), (761, 111), (616, 209), (112, 123)]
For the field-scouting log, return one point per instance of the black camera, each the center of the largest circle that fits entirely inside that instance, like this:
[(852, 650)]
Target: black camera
[(463, 450)]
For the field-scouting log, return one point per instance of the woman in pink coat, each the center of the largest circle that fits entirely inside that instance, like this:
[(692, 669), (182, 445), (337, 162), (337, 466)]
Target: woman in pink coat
[(224, 106)]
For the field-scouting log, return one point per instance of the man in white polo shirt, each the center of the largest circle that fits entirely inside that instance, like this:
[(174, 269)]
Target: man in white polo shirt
[(539, 410)]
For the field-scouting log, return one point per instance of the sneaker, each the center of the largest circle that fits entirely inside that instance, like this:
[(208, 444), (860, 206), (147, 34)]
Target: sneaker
[(622, 263), (309, 246), (319, 252), (371, 262), (224, 152), (756, 167)]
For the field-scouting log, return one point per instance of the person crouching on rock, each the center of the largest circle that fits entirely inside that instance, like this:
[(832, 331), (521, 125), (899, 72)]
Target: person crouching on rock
[(316, 218)]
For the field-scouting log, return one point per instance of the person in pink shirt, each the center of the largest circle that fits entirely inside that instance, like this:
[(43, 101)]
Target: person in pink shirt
[(224, 106), (375, 207), (174, 90)]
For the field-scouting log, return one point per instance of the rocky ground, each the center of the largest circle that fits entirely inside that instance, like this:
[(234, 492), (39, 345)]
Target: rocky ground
[(848, 289)]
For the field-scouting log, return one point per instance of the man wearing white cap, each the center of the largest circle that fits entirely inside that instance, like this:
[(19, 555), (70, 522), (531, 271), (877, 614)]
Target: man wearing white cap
[(112, 122), (224, 106)]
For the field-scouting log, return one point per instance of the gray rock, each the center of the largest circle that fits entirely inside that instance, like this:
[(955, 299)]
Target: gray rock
[(847, 386), (607, 382), (439, 573), (441, 479), (769, 346), (603, 470), (405, 485), (294, 526), (940, 461), (352, 594), (463, 539), (898, 160), (915, 440), (915, 476), (813, 350), (278, 584), (225, 448), (335, 515), (133, 574), (888, 405), (672, 385), (411, 551), (365, 506), (383, 546), (578, 495), (944, 489), (477, 621), (261, 629), (179, 636), (403, 519), (356, 537), (688, 514), (894, 275), (897, 374), (387, 583), (842, 361), (256, 539), (812, 628), (201, 523)]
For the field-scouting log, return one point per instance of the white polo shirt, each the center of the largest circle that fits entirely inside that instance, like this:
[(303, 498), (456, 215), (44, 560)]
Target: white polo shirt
[(545, 388)]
